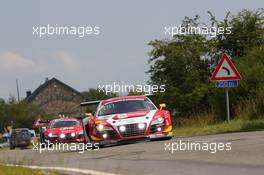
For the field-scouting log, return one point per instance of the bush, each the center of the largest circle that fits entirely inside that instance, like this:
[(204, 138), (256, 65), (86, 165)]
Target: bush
[(252, 107), (18, 114), (200, 119)]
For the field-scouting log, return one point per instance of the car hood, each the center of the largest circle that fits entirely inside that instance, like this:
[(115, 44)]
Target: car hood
[(115, 120), (125, 115), (64, 130)]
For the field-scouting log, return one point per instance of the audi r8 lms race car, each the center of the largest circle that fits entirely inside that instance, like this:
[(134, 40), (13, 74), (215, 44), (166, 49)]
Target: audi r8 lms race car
[(127, 118), (64, 130)]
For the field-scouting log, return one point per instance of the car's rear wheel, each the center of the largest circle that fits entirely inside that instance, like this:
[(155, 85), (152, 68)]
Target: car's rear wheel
[(12, 146), (44, 144)]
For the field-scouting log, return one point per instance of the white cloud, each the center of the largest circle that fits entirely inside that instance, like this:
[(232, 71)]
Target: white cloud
[(69, 62), (10, 61)]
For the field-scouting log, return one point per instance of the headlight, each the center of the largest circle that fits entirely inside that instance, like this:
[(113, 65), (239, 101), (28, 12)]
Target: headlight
[(160, 120), (80, 133), (100, 127), (73, 134), (50, 134), (62, 136)]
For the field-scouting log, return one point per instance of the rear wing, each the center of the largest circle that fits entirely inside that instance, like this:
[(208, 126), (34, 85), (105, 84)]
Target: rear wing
[(87, 103), (96, 102), (93, 104), (89, 106)]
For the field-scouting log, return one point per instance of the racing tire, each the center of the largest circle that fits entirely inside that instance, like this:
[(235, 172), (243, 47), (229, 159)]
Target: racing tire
[(12, 146), (43, 143)]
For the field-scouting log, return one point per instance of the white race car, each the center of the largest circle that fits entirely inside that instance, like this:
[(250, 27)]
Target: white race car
[(127, 118)]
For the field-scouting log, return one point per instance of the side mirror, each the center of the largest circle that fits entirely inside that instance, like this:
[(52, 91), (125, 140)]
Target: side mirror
[(163, 105)]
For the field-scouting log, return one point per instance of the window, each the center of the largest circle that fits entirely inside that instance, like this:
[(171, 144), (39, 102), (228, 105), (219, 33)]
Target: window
[(125, 106)]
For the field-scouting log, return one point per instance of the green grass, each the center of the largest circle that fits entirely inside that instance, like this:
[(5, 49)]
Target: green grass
[(236, 125), (9, 170)]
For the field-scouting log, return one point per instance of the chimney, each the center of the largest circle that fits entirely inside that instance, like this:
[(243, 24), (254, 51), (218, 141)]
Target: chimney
[(28, 93)]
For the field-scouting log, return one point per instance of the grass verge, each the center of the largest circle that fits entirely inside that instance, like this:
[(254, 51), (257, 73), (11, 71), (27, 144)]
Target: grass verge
[(9, 170), (236, 125)]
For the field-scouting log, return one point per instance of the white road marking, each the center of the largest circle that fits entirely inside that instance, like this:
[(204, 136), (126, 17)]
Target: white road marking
[(74, 170)]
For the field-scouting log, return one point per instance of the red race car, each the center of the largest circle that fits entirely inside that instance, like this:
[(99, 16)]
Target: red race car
[(64, 130), (127, 118)]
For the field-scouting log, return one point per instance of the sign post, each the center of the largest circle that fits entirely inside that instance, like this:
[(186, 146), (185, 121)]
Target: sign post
[(226, 75), (227, 105)]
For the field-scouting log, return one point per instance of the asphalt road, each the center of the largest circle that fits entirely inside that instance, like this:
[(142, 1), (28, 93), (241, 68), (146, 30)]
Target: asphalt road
[(246, 157)]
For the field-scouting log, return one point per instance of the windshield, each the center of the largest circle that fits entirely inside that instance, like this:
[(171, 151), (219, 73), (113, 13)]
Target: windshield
[(64, 123), (23, 133), (120, 107)]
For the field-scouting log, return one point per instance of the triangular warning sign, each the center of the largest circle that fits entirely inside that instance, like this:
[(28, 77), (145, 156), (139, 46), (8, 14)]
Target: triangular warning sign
[(225, 70)]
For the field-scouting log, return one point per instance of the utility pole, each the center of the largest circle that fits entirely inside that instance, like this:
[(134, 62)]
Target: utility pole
[(18, 98)]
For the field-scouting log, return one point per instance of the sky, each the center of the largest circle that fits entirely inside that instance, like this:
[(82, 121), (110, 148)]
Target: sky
[(118, 54)]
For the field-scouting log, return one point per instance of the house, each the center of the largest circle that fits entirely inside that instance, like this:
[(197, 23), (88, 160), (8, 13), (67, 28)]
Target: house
[(55, 97)]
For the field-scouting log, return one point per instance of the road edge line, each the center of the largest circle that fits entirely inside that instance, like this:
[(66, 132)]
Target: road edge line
[(74, 170)]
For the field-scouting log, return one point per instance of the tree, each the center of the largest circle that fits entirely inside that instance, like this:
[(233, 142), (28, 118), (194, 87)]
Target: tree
[(93, 95), (184, 63), (96, 94), (2, 114), (248, 96), (247, 32), (18, 114)]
